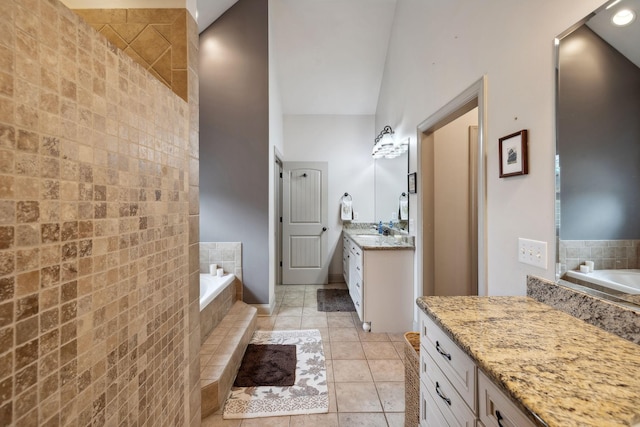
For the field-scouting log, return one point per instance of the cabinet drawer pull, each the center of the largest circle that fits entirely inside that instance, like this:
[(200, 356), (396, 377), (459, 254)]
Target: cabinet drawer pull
[(441, 351), (442, 396), (357, 284), (499, 418), (358, 268), (358, 303)]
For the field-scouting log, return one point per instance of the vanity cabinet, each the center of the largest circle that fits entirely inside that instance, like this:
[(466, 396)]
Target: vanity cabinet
[(453, 391), (380, 283)]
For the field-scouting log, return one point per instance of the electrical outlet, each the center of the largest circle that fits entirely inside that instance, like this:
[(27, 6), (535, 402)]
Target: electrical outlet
[(355, 215), (532, 252)]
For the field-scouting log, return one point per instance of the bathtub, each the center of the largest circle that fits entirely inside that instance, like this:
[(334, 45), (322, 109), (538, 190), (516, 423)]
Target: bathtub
[(625, 281), (212, 286)]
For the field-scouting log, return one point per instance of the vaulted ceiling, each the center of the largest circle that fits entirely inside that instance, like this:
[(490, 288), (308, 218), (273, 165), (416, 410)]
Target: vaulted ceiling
[(329, 54)]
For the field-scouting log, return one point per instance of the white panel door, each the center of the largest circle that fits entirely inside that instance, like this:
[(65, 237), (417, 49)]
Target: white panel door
[(304, 219)]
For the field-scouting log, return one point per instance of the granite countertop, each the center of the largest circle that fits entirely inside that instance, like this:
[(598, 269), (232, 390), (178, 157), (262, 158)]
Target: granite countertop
[(369, 239), (560, 370)]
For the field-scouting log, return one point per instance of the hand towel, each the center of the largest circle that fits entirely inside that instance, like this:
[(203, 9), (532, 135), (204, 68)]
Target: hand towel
[(404, 210), (346, 211)]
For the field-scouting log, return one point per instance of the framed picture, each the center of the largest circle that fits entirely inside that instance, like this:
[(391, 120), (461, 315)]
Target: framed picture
[(513, 154), (412, 183)]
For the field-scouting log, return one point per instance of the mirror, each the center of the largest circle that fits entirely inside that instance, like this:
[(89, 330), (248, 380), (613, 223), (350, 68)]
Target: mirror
[(598, 150), (390, 181)]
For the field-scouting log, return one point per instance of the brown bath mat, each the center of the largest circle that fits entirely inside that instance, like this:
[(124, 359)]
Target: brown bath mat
[(267, 365), (334, 300)]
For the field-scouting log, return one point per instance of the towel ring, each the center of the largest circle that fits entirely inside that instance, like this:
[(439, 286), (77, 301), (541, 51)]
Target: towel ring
[(347, 196)]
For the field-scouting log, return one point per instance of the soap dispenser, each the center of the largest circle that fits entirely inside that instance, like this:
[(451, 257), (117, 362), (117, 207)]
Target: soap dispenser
[(380, 227)]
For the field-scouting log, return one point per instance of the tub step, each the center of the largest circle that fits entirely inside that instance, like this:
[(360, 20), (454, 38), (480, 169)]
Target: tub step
[(221, 354)]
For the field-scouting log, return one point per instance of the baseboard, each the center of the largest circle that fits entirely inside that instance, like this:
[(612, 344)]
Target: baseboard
[(265, 309), (336, 278)]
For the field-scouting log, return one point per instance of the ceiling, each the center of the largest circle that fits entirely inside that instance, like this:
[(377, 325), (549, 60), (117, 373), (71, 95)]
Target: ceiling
[(329, 54), (624, 39)]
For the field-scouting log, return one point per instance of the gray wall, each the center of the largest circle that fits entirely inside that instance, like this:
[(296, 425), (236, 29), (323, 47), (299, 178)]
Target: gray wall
[(599, 134), (234, 139)]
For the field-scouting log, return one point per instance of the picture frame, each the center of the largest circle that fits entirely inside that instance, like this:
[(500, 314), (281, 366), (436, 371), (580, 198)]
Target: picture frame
[(412, 183), (513, 154)]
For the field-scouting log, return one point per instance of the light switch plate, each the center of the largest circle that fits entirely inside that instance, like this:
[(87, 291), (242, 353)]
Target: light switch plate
[(532, 252)]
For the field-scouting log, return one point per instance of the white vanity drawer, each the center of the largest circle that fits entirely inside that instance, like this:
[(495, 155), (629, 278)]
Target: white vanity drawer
[(430, 415), (356, 296), (454, 363), (452, 406), (356, 253), (496, 409)]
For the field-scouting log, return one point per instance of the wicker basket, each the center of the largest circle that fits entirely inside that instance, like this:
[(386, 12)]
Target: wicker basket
[(412, 379)]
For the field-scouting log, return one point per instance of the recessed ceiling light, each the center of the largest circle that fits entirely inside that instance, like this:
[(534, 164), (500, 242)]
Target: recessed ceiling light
[(623, 17)]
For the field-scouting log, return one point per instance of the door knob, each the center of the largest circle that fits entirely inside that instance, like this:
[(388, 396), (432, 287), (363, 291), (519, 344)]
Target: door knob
[(324, 229)]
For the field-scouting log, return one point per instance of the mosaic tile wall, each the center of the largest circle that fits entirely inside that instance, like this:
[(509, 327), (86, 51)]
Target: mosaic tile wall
[(96, 214), (606, 254), (154, 38)]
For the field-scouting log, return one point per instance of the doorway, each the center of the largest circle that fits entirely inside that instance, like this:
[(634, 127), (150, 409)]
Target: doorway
[(305, 215), (451, 158)]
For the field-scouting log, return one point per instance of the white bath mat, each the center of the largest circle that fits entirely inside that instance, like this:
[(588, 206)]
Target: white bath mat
[(309, 394)]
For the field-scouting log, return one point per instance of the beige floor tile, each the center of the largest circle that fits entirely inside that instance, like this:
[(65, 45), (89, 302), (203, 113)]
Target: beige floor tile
[(395, 419), (362, 420), (396, 337), (372, 336), (379, 350), (357, 397), (400, 348), (391, 395), (343, 334), (340, 321), (313, 311), (294, 288), (351, 371), (347, 350), (329, 367), (387, 370), (266, 422), (287, 323), (293, 300), (286, 310), (326, 348), (314, 420), (339, 314), (314, 322), (324, 333), (265, 323), (217, 421), (333, 406)]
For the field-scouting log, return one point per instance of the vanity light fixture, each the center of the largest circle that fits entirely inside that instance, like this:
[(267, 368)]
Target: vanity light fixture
[(623, 17), (386, 146)]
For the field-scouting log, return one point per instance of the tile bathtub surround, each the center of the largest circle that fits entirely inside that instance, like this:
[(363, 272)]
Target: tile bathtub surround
[(228, 256), (94, 229), (606, 254), (154, 38), (621, 320)]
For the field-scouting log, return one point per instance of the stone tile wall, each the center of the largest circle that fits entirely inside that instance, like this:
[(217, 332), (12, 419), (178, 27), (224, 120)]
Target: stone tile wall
[(97, 224), (606, 254), (154, 38), (228, 256)]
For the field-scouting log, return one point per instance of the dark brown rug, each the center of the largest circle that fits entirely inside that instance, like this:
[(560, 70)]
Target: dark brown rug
[(334, 300), (267, 365)]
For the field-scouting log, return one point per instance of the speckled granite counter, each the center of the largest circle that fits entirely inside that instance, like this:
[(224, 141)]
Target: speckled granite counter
[(560, 370), (371, 240)]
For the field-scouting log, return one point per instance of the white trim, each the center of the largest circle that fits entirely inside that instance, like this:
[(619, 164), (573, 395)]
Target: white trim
[(265, 309), (477, 90)]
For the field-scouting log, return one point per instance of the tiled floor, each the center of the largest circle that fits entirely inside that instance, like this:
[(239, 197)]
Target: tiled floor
[(365, 370)]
